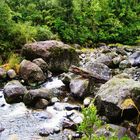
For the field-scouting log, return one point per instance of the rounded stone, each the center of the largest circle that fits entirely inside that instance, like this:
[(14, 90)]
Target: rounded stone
[(11, 73)]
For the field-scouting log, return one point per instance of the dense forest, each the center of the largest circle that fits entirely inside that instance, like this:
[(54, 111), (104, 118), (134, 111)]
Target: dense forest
[(85, 22)]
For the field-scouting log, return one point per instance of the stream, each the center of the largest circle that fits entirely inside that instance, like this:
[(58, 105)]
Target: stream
[(17, 122)]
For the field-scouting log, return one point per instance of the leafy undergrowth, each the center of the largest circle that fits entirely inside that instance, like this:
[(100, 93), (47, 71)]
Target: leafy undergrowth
[(91, 123), (12, 62)]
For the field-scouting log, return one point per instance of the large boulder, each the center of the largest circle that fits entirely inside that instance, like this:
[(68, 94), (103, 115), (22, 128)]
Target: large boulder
[(14, 91), (116, 99), (58, 55), (30, 72)]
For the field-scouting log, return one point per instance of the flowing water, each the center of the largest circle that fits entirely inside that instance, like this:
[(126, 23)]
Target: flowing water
[(17, 122)]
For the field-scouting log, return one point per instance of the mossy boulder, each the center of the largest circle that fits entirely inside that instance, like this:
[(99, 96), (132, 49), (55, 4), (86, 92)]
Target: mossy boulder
[(59, 56), (116, 99)]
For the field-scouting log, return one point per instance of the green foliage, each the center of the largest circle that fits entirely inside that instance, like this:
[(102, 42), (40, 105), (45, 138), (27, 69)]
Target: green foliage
[(13, 62), (90, 121), (22, 33), (72, 21)]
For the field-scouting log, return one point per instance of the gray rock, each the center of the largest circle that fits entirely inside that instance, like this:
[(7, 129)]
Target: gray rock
[(112, 94), (58, 55), (54, 100), (79, 87), (11, 73), (87, 101), (124, 64), (66, 78), (105, 59), (135, 58), (41, 104), (100, 69), (117, 60), (41, 63), (33, 96), (71, 134), (2, 73), (30, 72), (111, 130), (45, 132), (133, 72), (14, 91)]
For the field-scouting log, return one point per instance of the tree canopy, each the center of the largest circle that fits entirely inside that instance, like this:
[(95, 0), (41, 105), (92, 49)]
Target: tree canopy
[(73, 21)]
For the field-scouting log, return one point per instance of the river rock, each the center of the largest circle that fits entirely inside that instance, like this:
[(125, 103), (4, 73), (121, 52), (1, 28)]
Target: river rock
[(117, 60), (41, 104), (41, 63), (11, 73), (87, 101), (105, 59), (113, 94), (34, 96), (133, 72), (14, 91), (135, 58), (71, 134), (111, 130), (79, 87), (59, 56), (30, 72), (66, 78), (2, 73), (124, 64), (100, 69)]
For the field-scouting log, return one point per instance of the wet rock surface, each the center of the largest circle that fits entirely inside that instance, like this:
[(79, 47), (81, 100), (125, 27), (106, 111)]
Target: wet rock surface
[(14, 91)]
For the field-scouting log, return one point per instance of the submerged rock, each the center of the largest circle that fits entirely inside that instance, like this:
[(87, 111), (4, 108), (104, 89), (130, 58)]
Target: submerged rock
[(14, 91), (112, 98), (59, 56), (30, 72)]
